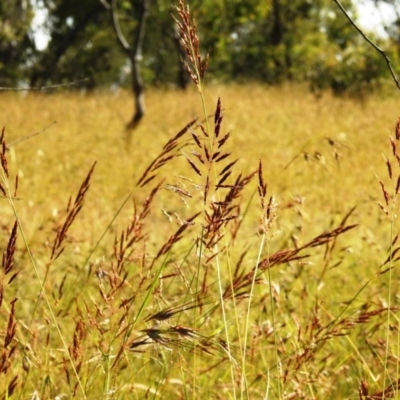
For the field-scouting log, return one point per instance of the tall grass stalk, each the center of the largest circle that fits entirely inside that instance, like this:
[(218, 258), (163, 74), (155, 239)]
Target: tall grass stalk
[(197, 69), (389, 208), (4, 173), (247, 323)]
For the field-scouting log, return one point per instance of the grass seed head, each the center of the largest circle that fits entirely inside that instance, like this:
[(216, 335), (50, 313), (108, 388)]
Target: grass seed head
[(196, 66)]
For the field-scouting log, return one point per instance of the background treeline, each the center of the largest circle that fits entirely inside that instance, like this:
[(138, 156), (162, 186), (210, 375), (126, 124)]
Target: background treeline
[(259, 40)]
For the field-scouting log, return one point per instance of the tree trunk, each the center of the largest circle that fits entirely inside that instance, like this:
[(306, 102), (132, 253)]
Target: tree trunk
[(277, 27), (136, 58)]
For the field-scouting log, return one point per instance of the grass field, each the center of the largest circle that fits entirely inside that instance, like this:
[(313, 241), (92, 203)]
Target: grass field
[(129, 297)]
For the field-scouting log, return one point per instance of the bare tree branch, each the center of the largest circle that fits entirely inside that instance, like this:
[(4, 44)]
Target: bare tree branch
[(117, 27), (378, 49), (105, 4), (45, 87), (22, 139)]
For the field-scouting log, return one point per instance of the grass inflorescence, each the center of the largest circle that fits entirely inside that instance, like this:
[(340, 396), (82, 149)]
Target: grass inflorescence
[(240, 263)]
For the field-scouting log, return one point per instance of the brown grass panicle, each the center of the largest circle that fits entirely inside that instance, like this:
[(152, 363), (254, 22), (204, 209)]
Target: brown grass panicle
[(204, 153), (196, 66), (9, 347), (388, 393), (393, 170), (72, 212), (221, 198), (390, 192), (149, 304)]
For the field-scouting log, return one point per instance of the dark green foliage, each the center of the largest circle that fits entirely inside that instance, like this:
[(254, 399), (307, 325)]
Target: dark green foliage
[(270, 41), (81, 46), (15, 40)]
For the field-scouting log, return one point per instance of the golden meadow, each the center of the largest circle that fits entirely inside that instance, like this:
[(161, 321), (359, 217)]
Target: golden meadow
[(281, 283)]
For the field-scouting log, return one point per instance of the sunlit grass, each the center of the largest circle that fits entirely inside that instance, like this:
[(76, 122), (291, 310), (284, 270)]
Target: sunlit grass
[(274, 125), (321, 157)]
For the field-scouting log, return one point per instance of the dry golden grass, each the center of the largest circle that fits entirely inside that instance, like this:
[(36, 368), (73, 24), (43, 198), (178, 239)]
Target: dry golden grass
[(321, 157), (275, 125)]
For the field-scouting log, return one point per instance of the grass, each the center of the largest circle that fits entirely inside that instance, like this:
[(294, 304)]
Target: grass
[(272, 125), (184, 288)]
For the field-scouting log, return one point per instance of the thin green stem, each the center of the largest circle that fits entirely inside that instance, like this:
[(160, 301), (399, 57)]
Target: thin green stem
[(278, 362), (389, 300), (106, 388), (253, 281), (216, 249), (43, 291)]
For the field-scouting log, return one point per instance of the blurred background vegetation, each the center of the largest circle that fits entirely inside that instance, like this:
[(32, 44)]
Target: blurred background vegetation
[(272, 41)]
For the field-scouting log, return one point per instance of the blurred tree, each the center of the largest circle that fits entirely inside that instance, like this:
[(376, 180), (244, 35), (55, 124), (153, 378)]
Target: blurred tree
[(393, 29), (266, 40), (103, 42), (132, 49), (356, 69), (79, 45), (16, 42)]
